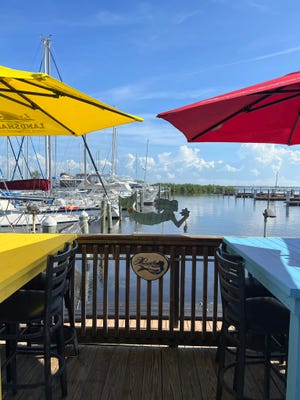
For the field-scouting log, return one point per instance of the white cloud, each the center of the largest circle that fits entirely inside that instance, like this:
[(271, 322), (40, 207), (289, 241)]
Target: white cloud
[(189, 158), (184, 16), (143, 90), (229, 168), (130, 162), (108, 18), (258, 5), (171, 176), (255, 172)]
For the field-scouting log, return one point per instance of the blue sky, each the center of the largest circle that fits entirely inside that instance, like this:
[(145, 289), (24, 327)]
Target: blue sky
[(149, 57)]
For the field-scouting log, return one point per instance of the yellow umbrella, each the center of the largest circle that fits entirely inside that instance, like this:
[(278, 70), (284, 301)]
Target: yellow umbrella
[(35, 104)]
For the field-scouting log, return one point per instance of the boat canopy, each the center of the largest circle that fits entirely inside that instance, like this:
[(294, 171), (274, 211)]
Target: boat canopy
[(27, 184)]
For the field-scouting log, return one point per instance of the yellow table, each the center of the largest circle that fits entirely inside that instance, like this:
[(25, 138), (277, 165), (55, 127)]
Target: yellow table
[(23, 256)]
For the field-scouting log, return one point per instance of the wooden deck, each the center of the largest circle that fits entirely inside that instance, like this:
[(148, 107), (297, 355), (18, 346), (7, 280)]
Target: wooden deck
[(116, 372)]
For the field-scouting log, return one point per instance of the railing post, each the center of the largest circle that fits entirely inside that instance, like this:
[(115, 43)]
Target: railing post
[(117, 306), (176, 293)]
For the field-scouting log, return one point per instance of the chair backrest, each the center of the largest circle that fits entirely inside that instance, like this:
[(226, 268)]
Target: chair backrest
[(231, 257), (74, 249), (56, 277), (232, 286)]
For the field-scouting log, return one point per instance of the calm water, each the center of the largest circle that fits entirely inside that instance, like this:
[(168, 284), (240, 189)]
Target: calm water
[(211, 215), (223, 215)]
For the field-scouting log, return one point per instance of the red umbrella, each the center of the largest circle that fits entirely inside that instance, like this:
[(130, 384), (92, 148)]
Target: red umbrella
[(267, 112)]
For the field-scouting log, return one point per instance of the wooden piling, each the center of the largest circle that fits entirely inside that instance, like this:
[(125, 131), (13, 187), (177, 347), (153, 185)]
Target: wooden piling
[(103, 216)]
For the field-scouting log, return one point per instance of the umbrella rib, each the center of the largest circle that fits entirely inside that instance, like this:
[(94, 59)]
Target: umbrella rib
[(103, 107), (61, 93), (54, 95), (33, 104), (217, 124), (11, 93), (243, 109), (273, 102), (12, 89), (280, 90), (16, 101), (293, 131), (57, 121), (36, 107), (249, 108)]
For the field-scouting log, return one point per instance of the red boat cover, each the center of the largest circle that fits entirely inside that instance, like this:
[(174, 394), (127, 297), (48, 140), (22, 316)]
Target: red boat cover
[(26, 184)]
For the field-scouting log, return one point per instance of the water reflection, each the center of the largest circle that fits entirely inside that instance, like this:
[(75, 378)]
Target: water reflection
[(221, 215), (209, 215)]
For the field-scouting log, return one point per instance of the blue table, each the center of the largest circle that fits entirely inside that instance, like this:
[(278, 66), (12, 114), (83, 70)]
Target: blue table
[(275, 262)]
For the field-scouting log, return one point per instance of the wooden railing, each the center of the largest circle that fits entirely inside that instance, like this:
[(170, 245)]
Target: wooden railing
[(114, 304)]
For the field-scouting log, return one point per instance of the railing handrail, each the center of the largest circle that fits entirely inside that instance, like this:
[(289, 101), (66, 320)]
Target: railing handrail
[(181, 307), (151, 239)]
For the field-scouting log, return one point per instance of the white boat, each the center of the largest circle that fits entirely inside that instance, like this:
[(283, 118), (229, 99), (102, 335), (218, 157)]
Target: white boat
[(26, 222), (150, 194), (78, 200)]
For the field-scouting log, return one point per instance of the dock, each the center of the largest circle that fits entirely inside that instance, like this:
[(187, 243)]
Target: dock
[(290, 195), (244, 194)]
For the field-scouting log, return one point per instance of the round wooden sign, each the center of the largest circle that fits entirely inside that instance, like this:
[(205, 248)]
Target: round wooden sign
[(149, 266)]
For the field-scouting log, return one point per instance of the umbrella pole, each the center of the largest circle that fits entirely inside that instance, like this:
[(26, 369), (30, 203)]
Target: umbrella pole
[(94, 165)]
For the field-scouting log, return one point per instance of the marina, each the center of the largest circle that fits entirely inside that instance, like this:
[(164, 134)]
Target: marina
[(218, 215), (152, 277), (118, 280), (29, 212), (209, 214), (181, 310)]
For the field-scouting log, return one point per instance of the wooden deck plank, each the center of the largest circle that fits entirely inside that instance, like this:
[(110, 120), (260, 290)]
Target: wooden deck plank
[(206, 367), (152, 380), (170, 374), (190, 383), (87, 374), (103, 372), (133, 385), (116, 375), (255, 379)]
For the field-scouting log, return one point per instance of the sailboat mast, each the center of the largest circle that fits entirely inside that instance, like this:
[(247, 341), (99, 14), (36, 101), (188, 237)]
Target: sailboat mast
[(113, 153), (146, 161), (46, 69)]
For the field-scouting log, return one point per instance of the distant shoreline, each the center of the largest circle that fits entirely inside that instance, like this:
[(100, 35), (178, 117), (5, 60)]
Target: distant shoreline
[(190, 189)]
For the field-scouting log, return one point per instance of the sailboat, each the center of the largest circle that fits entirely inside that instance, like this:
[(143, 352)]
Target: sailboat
[(147, 192), (61, 110), (90, 189), (26, 202)]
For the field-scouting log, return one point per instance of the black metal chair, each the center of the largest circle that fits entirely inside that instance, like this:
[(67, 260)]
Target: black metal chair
[(253, 288), (249, 324), (36, 317), (39, 282)]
